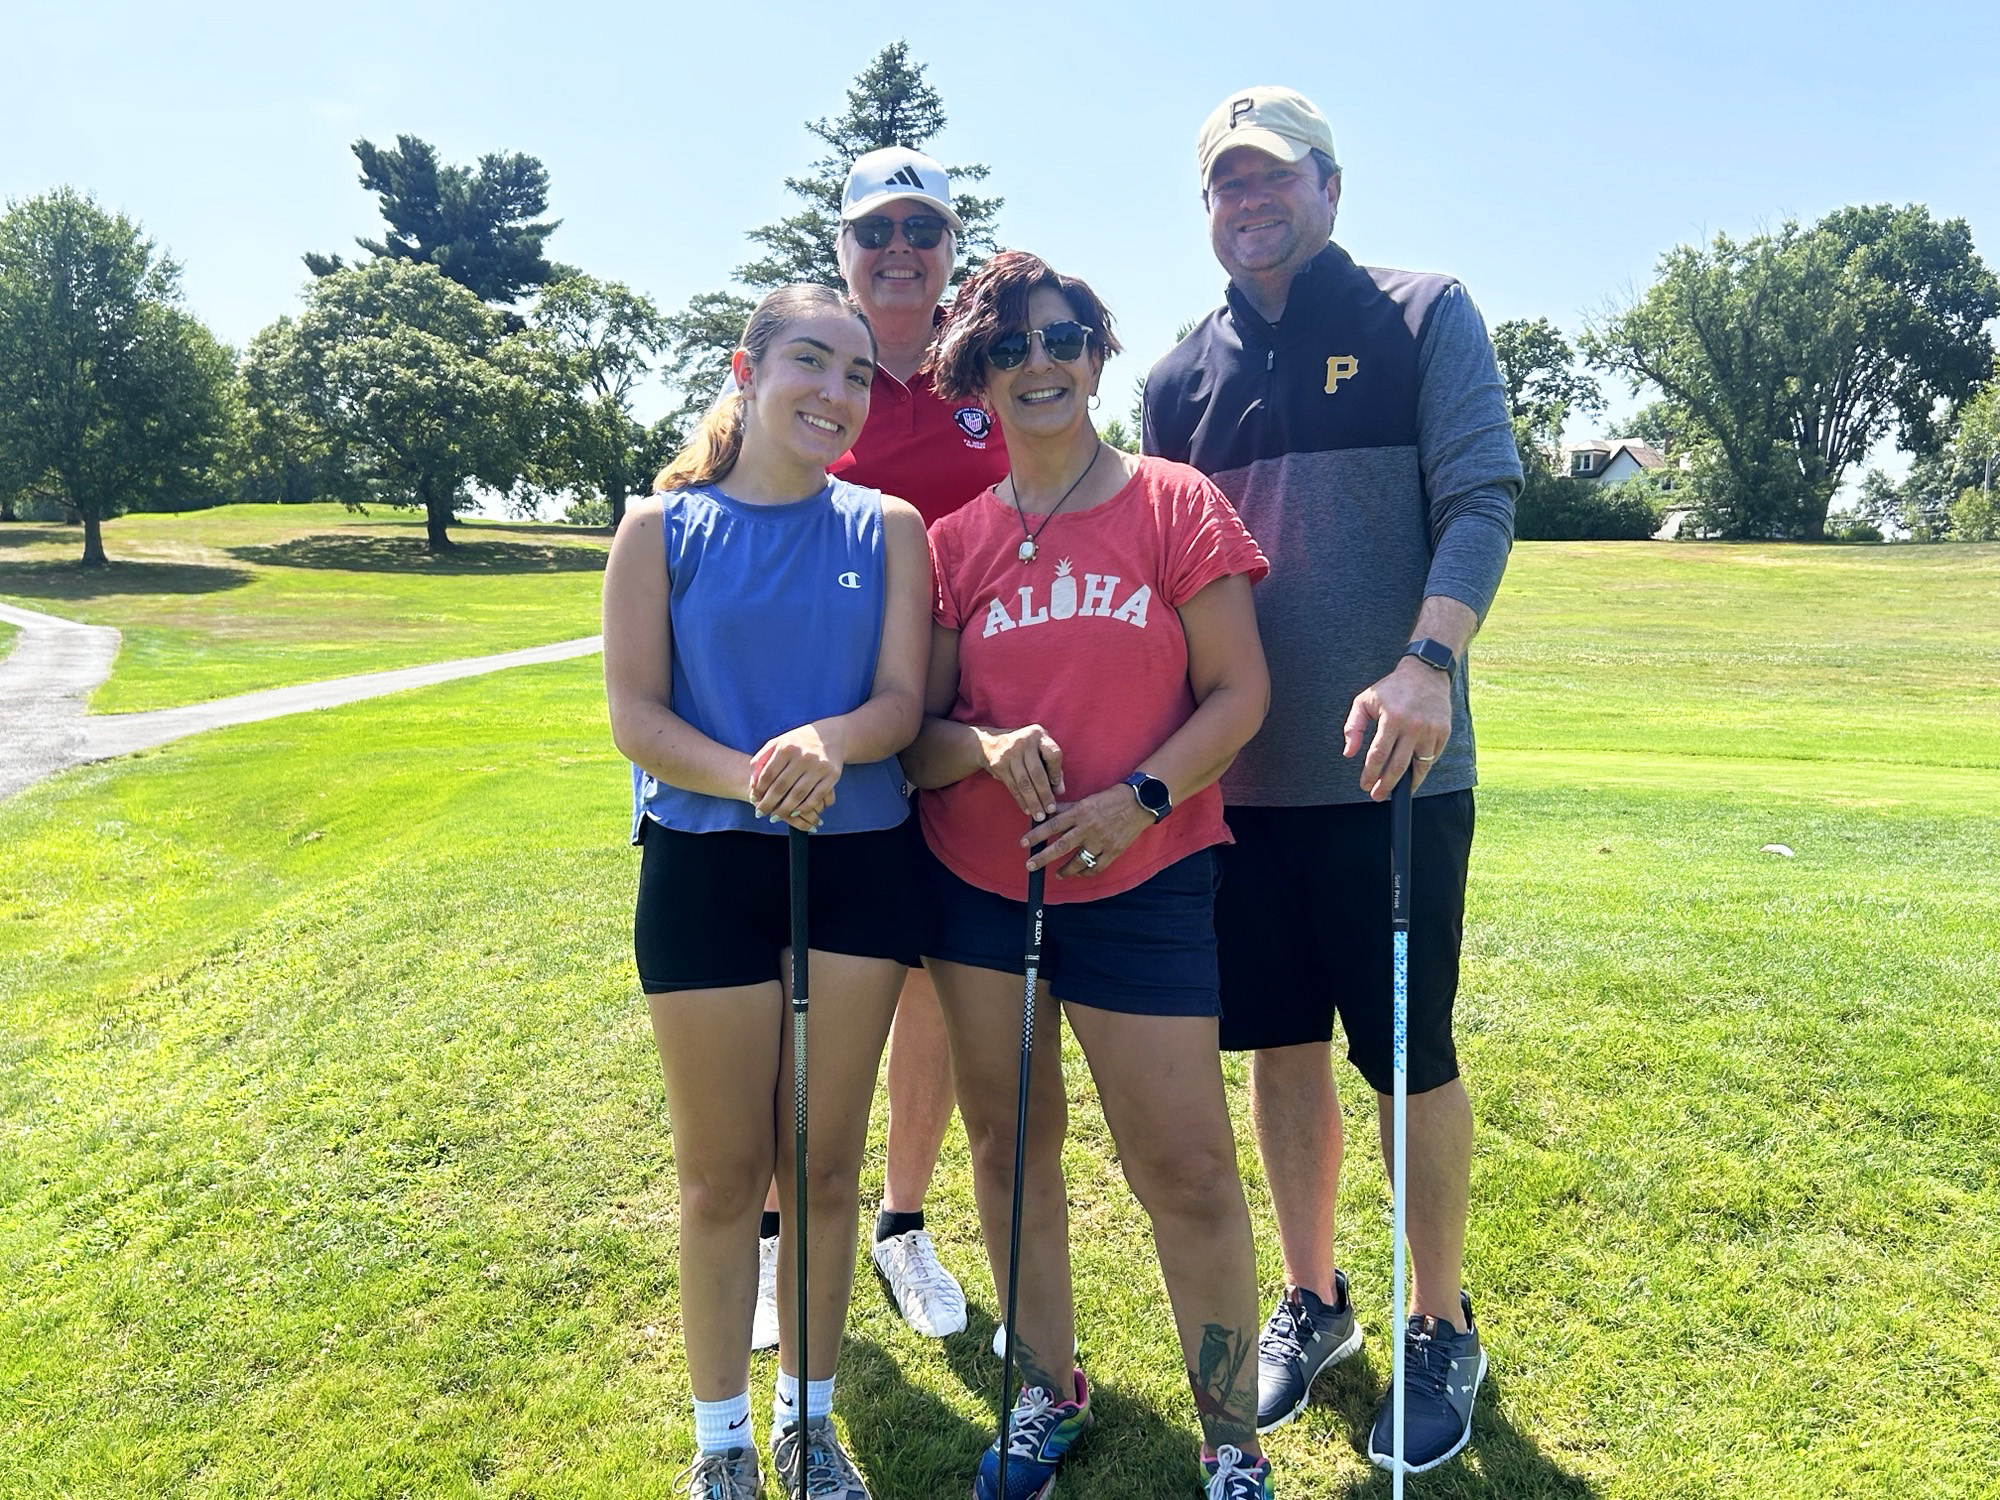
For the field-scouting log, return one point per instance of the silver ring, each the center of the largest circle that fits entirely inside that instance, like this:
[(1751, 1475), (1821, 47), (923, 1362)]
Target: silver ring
[(1426, 759), (1089, 860)]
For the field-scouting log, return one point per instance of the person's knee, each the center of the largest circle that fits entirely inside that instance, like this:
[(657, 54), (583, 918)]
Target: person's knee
[(1190, 1180), (724, 1192)]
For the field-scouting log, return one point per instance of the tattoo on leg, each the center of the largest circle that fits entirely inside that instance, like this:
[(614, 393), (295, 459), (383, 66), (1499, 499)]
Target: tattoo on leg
[(1225, 1402), (1033, 1371)]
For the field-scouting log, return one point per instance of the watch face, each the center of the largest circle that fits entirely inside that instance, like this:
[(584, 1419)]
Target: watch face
[(1152, 794)]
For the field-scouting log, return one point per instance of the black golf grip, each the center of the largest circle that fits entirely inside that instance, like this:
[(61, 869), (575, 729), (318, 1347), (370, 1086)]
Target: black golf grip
[(1032, 975), (796, 839)]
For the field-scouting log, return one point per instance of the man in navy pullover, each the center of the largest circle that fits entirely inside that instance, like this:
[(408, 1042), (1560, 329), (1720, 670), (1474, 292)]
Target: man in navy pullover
[(1356, 418)]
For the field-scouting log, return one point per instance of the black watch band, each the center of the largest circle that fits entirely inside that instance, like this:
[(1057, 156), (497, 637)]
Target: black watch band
[(1152, 794), (1433, 654)]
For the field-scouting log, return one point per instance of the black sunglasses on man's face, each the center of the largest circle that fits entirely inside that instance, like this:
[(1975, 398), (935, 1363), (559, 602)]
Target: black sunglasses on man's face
[(923, 231)]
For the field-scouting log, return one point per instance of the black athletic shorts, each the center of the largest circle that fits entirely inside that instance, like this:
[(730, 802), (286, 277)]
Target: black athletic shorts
[(714, 909), (1302, 920), (1149, 951)]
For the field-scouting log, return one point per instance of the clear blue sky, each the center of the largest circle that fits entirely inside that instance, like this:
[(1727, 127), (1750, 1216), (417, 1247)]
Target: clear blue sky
[(1546, 153)]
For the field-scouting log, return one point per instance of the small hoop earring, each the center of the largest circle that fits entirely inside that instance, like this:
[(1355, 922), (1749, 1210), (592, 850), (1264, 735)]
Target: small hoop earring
[(1094, 402)]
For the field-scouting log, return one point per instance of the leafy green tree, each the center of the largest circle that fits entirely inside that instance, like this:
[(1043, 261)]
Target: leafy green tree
[(111, 395), (1660, 425), (478, 225), (1544, 386), (408, 389), (888, 104), (1792, 353), (601, 338)]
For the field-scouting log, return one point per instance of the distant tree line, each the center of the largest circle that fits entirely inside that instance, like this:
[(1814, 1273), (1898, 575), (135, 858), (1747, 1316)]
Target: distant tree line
[(1779, 362), (454, 357)]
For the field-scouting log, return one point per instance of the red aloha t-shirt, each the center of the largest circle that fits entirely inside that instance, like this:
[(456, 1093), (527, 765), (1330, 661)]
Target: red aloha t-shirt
[(1086, 641)]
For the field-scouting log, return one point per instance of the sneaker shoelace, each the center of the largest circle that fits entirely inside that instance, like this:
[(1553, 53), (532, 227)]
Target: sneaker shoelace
[(1236, 1476), (716, 1473), (1286, 1334), (917, 1264), (1034, 1415), (827, 1468), (1426, 1367)]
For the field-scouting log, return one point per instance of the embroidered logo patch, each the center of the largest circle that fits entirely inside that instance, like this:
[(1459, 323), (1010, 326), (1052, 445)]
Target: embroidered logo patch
[(1340, 367), (974, 421)]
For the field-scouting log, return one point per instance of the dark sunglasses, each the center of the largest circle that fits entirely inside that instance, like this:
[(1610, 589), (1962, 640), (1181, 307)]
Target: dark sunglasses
[(923, 231), (1064, 341)]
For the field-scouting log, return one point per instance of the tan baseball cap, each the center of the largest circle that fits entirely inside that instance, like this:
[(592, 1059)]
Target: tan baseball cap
[(1277, 121)]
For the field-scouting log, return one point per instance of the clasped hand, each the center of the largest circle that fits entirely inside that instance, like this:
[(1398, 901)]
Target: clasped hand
[(792, 777), (1028, 762)]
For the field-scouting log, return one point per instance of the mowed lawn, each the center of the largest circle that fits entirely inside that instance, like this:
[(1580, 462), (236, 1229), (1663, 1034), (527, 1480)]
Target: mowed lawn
[(242, 597), (336, 1161)]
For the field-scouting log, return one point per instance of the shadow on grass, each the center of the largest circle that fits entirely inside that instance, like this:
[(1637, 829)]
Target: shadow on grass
[(406, 554), (906, 1440), (67, 579), (1501, 1463)]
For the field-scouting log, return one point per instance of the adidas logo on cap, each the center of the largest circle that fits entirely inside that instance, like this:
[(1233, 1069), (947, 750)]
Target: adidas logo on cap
[(906, 178)]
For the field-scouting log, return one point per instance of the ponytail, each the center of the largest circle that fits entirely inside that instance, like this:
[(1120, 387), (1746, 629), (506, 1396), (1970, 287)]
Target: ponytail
[(712, 452), (716, 445)]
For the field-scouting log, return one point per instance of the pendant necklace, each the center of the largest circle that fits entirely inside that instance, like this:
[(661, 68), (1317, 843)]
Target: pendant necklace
[(1027, 549)]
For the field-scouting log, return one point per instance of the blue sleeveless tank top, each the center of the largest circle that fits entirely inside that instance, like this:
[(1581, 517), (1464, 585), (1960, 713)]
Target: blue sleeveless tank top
[(777, 621)]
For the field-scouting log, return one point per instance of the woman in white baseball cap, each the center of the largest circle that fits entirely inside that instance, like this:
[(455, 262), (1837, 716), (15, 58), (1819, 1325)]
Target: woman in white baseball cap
[(900, 233)]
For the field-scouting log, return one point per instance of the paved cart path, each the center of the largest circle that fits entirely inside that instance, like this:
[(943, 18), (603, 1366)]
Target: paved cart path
[(47, 680)]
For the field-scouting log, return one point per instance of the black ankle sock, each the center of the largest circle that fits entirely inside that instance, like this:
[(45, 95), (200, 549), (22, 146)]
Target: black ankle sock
[(887, 1224), (767, 1227)]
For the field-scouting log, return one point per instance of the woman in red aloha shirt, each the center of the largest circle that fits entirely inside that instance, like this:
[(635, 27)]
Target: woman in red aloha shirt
[(1095, 666)]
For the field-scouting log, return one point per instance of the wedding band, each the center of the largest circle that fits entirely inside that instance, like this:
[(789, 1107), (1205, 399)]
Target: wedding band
[(1088, 859), (1426, 759)]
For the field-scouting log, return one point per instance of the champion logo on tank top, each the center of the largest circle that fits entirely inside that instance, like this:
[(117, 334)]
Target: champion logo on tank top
[(1101, 597), (850, 580), (976, 423)]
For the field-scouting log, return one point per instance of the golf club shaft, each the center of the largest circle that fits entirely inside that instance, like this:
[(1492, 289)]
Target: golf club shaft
[(797, 841), (1033, 969), (1399, 927)]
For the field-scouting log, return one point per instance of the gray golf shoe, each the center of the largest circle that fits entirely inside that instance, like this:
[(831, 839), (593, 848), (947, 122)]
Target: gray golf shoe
[(830, 1473), (730, 1475), (1442, 1368), (1302, 1337)]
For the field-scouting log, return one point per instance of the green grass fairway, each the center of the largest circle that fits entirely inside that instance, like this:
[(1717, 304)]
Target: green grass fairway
[(336, 1159), (226, 601)]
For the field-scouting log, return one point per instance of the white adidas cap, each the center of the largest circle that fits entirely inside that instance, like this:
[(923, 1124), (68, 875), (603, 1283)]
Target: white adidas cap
[(897, 172)]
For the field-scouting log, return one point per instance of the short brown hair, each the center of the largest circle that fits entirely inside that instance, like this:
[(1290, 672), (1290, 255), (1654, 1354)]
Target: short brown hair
[(994, 302)]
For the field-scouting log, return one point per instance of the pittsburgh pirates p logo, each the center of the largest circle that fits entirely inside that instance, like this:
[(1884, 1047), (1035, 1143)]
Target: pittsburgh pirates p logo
[(1340, 367)]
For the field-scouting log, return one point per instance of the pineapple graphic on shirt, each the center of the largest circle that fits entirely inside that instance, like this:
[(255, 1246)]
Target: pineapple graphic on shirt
[(1062, 593)]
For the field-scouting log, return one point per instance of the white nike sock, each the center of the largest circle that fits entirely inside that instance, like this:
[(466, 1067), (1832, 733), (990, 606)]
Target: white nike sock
[(722, 1425), (785, 1400)]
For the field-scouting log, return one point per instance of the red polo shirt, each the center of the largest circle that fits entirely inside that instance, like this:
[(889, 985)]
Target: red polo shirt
[(935, 454)]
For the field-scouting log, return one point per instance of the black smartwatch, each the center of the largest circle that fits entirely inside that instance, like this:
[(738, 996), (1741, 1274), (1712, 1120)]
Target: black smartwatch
[(1433, 654), (1152, 794)]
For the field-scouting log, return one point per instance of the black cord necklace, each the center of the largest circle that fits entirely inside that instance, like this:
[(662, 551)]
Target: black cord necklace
[(1027, 550)]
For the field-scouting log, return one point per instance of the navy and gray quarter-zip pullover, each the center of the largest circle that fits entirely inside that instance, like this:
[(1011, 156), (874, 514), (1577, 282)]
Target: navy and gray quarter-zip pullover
[(1364, 440)]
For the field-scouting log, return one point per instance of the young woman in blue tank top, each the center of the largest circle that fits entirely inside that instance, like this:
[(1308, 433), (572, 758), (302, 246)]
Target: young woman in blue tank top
[(766, 635)]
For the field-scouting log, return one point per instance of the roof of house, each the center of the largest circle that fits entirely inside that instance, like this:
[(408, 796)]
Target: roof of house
[(1643, 454)]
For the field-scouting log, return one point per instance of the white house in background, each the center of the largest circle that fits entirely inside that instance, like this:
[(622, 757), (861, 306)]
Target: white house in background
[(1609, 460)]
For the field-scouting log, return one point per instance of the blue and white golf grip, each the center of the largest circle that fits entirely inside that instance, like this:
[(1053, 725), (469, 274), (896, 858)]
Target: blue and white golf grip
[(1033, 971), (1399, 1062), (796, 840)]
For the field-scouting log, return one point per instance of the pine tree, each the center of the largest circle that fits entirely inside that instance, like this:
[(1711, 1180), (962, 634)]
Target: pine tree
[(888, 104)]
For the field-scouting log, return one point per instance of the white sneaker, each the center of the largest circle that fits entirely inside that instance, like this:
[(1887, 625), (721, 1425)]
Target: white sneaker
[(927, 1295), (764, 1326)]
